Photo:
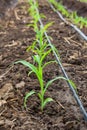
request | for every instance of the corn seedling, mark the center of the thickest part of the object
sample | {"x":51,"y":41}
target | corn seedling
{"x":72,"y":16}
{"x":40,"y":49}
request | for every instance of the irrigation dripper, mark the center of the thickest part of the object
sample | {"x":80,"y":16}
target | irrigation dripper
{"x":63,"y":71}
{"x":70,"y":24}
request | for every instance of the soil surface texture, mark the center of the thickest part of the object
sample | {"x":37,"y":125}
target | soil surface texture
{"x":6,"y":7}
{"x":63,"y":113}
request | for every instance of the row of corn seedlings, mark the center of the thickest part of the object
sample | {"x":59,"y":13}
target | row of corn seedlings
{"x":41,"y":48}
{"x":70,"y":24}
{"x":71,"y":16}
{"x":82,"y":34}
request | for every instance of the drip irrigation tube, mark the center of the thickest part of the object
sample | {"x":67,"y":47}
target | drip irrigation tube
{"x":75,"y":27}
{"x":63,"y":71}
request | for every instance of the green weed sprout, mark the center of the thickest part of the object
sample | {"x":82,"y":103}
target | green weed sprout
{"x":40,"y":49}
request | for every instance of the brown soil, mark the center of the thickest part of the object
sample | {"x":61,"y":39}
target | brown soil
{"x":63,"y":113}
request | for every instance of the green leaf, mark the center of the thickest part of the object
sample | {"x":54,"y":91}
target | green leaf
{"x":30,"y":25}
{"x":36,"y":58}
{"x":40,"y":96}
{"x":47,"y":63}
{"x":60,"y":77}
{"x":31,"y":47}
{"x":42,"y":16}
{"x":73,"y":84}
{"x":27,"y":96}
{"x":46,"y":27}
{"x":31,"y":66}
{"x":27,"y":64}
{"x":51,"y":81}
{"x":47,"y":100}
{"x":45,"y":54}
{"x":55,"y":50}
{"x":30,"y":72}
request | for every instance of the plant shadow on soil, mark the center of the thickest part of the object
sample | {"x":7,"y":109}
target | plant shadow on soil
{"x":63,"y":113}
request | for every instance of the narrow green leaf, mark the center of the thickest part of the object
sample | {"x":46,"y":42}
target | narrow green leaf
{"x":46,"y":27}
{"x":45,"y":54}
{"x":42,"y":16}
{"x":27,"y":64}
{"x":47,"y":100}
{"x":55,"y":50}
{"x":47,"y":63}
{"x":39,"y":95}
{"x":31,"y":47}
{"x":73,"y":84}
{"x":30,"y":72}
{"x":27,"y":96}
{"x":31,"y":66}
{"x":51,"y":81}
{"x":36,"y":58}
{"x":60,"y":77}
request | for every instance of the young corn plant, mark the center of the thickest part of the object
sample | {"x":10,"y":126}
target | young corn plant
{"x":40,"y":50}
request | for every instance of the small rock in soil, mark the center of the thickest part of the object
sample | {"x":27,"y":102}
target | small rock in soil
{"x":5,"y":90}
{"x":20,"y":85}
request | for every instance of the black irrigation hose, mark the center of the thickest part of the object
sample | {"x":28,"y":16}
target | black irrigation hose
{"x":63,"y":71}
{"x":77,"y":29}
{"x":71,"y":87}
